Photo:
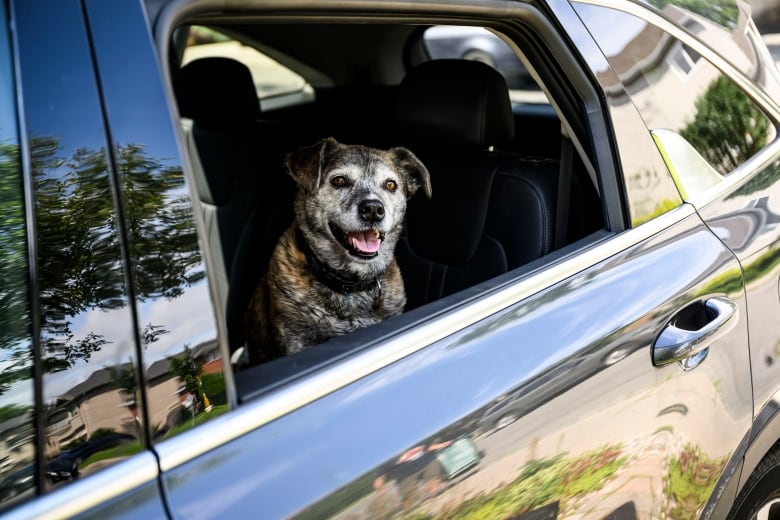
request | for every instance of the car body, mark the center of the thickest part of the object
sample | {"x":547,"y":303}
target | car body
{"x":592,"y":290}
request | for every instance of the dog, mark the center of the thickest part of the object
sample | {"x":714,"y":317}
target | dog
{"x":334,"y":269}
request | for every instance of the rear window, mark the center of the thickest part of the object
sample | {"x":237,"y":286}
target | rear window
{"x":480,"y":44}
{"x":277,"y":86}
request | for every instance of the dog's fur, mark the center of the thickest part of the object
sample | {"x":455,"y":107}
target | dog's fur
{"x":341,"y":189}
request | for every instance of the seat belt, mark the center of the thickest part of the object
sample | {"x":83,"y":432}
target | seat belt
{"x":564,"y":190}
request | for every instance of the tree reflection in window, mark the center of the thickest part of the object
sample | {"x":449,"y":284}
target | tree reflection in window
{"x":79,"y":241}
{"x":17,"y":450}
{"x":727,"y":129}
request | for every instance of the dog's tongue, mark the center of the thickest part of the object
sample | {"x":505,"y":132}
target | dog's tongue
{"x":365,"y":241}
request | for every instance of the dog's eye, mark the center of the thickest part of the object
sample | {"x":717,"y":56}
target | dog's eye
{"x":391,"y":185}
{"x":339,"y":181}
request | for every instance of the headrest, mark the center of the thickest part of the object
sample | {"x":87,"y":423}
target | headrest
{"x":217,"y":91}
{"x":448,"y":228}
{"x":455,"y":102}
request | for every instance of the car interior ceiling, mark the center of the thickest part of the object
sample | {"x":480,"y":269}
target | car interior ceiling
{"x":501,"y":168}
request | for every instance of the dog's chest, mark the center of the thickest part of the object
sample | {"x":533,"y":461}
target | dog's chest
{"x":340,"y":314}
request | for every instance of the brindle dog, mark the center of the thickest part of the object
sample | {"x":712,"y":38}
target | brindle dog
{"x":333,"y":270}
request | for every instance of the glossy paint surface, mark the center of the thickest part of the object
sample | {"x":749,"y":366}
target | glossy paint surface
{"x":85,"y":326}
{"x":746,"y":218}
{"x":551,"y":405}
{"x":558,"y":393}
{"x":182,"y":363}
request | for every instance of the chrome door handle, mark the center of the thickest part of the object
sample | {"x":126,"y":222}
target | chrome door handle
{"x":677,"y":342}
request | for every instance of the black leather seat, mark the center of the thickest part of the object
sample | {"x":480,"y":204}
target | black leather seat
{"x":244,"y":194}
{"x":490,"y":211}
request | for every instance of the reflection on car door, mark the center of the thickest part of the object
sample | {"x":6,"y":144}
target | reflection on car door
{"x":597,"y":428}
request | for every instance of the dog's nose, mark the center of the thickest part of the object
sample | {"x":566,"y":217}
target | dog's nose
{"x":371,"y":210}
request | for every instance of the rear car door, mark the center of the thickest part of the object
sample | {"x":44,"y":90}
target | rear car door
{"x":74,"y":374}
{"x":612,"y":378}
{"x":108,"y":331}
{"x":720,"y":141}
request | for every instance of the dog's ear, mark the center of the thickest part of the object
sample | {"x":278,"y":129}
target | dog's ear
{"x":305,"y":164}
{"x":415,"y":173}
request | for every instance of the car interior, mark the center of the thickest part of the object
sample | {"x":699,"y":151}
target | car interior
{"x":509,"y":187}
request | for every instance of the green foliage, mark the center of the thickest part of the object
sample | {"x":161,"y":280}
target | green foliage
{"x":101,"y":432}
{"x":121,"y":451}
{"x":722,"y":12}
{"x":198,"y":419}
{"x":542,"y":482}
{"x":15,"y":327}
{"x":728,"y":129}
{"x":11,"y":411}
{"x":80,"y":264}
{"x":214,"y":387}
{"x":189,"y":371}
{"x":690,"y":480}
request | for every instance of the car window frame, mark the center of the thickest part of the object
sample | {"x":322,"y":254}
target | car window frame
{"x":415,"y":331}
{"x":757,"y":95}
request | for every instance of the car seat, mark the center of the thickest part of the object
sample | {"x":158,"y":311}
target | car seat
{"x":491,"y":211}
{"x":244,"y":194}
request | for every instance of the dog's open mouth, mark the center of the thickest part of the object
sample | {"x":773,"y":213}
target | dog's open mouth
{"x":364,"y":244}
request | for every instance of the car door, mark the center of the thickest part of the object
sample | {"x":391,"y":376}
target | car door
{"x":733,"y":186}
{"x":72,"y":340}
{"x":611,"y":378}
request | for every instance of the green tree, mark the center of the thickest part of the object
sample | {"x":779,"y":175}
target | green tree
{"x":728,"y":129}
{"x":79,"y":263}
{"x":190,"y":372}
{"x":15,"y":327}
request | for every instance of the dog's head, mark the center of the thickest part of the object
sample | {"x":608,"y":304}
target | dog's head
{"x":351,"y":202}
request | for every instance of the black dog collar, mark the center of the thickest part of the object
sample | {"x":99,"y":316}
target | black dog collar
{"x":331,"y":279}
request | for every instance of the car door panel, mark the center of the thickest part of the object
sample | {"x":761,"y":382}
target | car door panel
{"x":595,"y":426}
{"x":127,"y":489}
{"x":86,"y":414}
{"x":746,"y":218}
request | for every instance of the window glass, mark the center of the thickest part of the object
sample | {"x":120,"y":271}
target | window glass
{"x":648,"y":186}
{"x":277,"y":86}
{"x":726,"y":26}
{"x":676,"y":89}
{"x":92,"y":409}
{"x":479,"y":44}
{"x":17,"y":411}
{"x":183,"y":370}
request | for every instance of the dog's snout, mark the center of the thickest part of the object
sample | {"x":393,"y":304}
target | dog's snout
{"x":371,"y":210}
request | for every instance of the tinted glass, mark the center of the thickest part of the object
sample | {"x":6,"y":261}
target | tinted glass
{"x":277,"y":86}
{"x":648,"y":185}
{"x":91,"y":404}
{"x":479,"y":44}
{"x":675,"y":88}
{"x":726,"y":26}
{"x":184,"y":380}
{"x":17,"y":411}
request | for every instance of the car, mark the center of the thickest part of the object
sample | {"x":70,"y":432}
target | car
{"x":592,"y":289}
{"x":17,"y":482}
{"x":65,"y":466}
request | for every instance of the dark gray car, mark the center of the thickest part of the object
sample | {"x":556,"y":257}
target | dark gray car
{"x":592,"y":290}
